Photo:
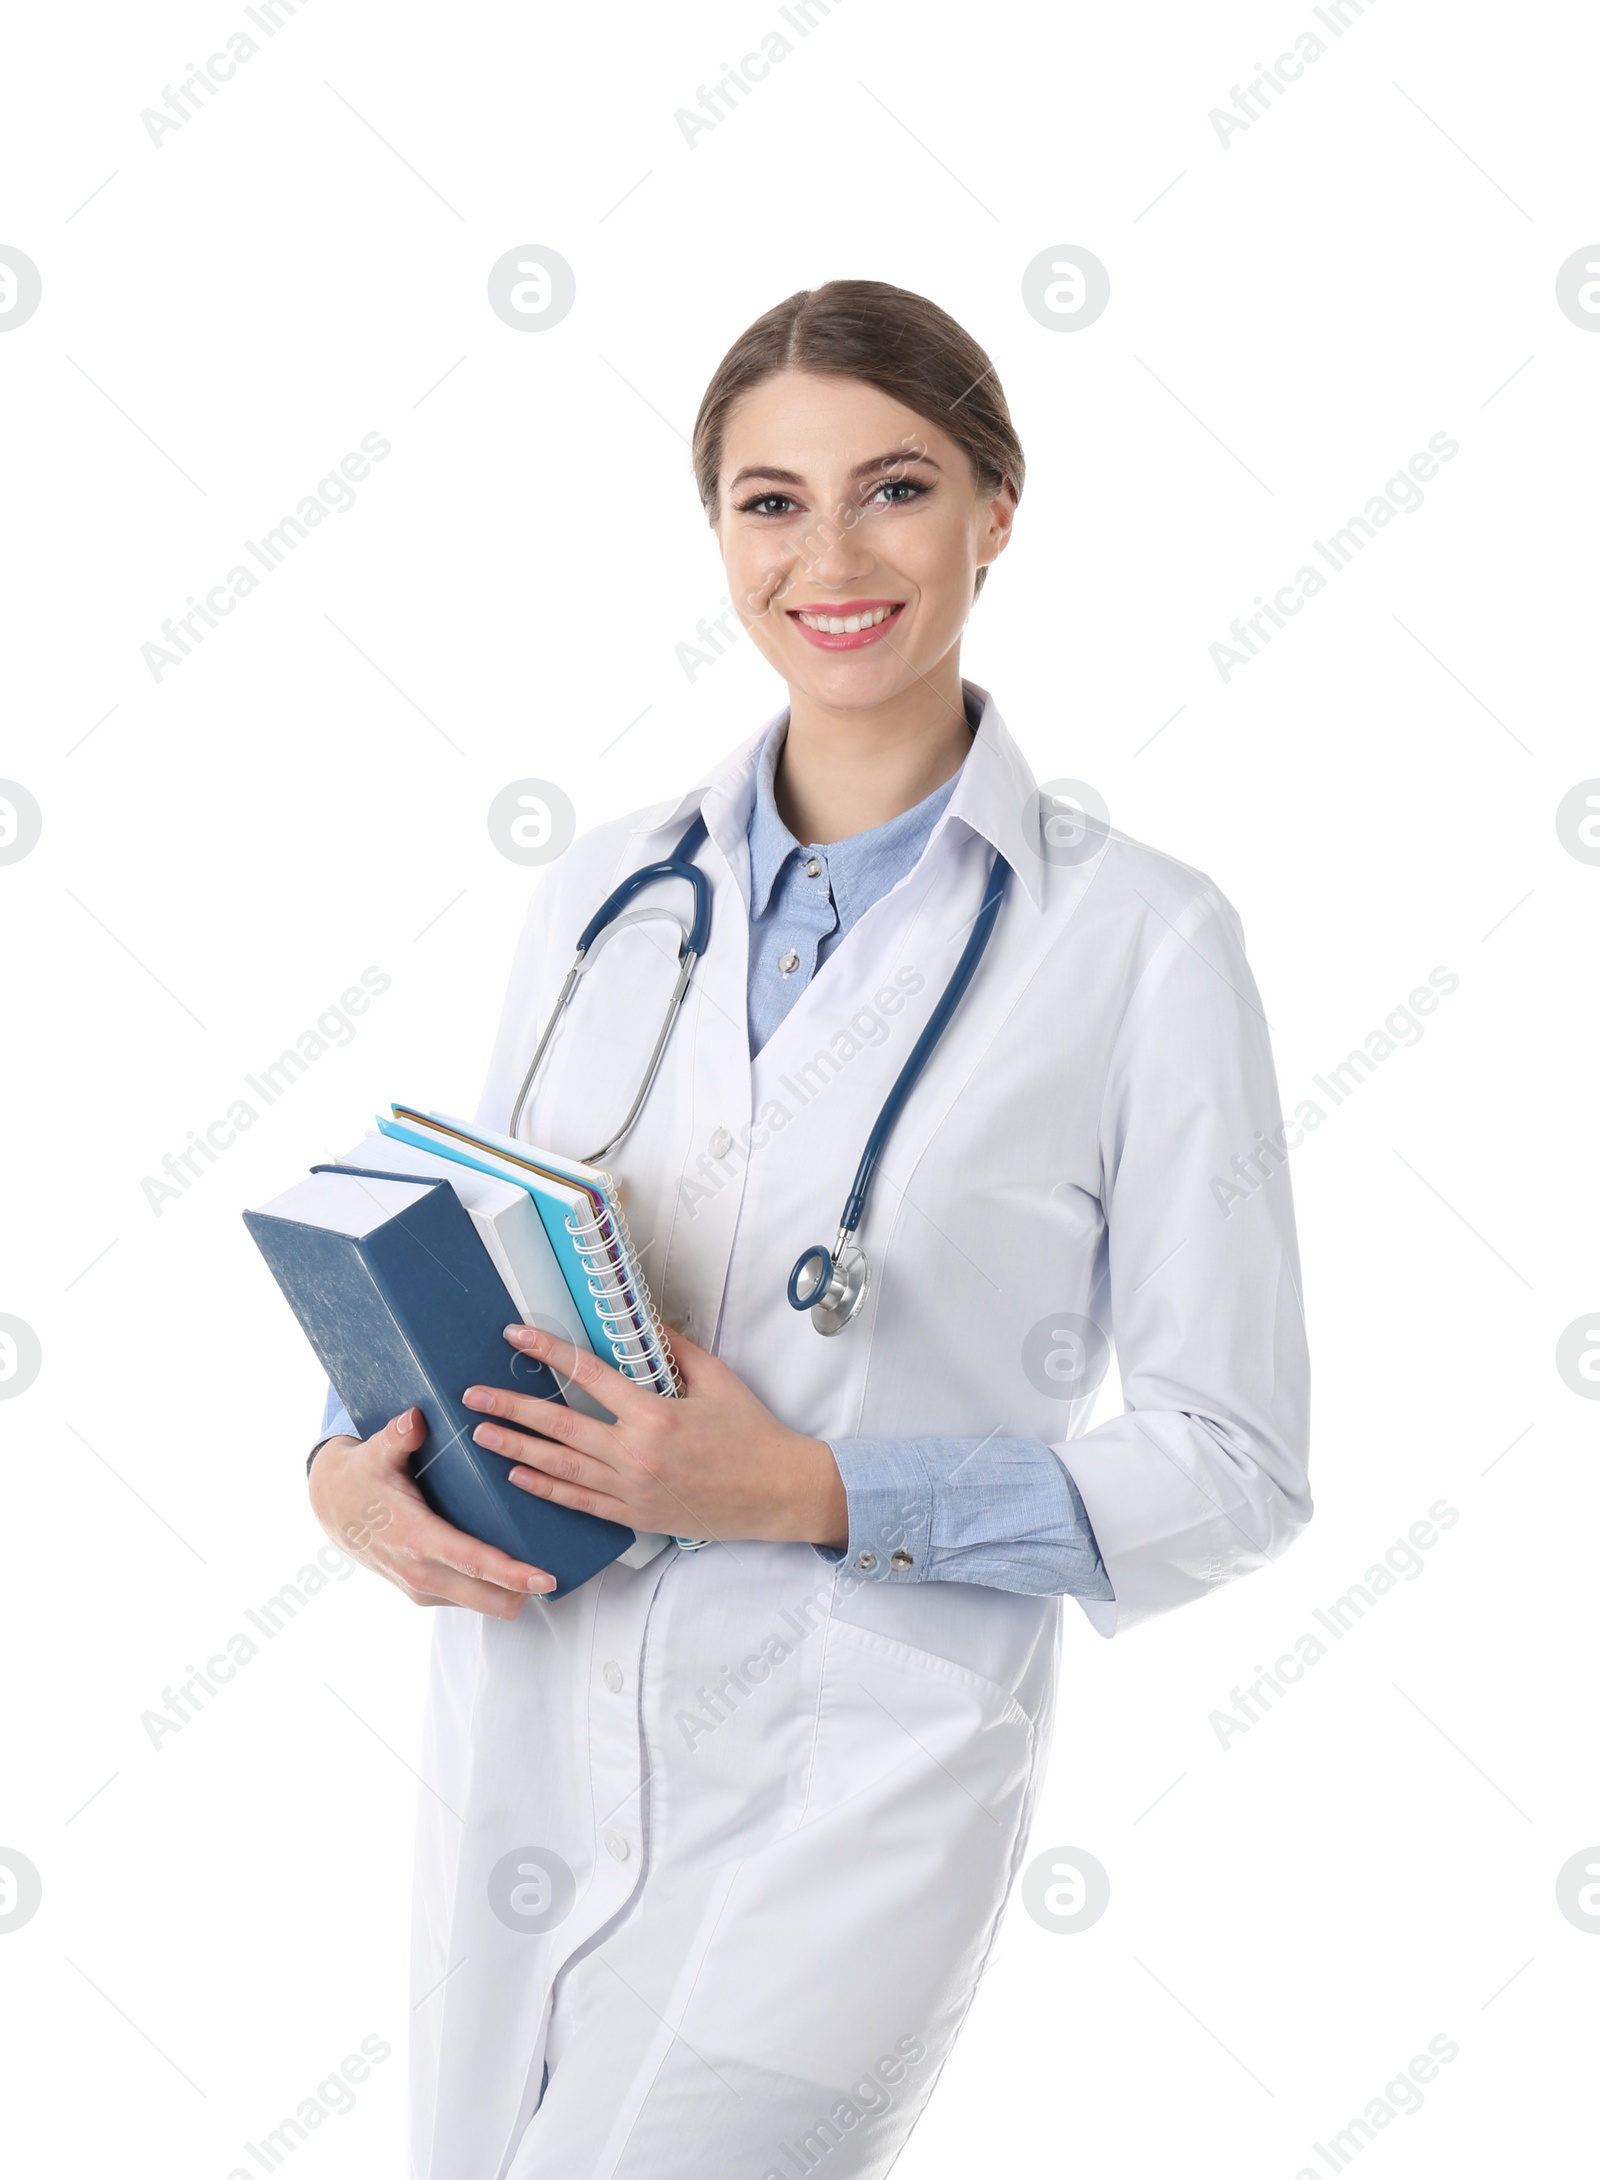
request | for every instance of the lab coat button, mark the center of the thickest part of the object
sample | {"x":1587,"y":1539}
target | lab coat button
{"x":866,"y":1561}
{"x":789,"y":962}
{"x":721,"y":1143}
{"x":900,"y":1561}
{"x":616,"y":1846}
{"x":813,"y":867}
{"x":613,"y":1676}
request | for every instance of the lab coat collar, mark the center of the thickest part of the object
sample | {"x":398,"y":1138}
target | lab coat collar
{"x":995,"y":796}
{"x":771,"y":842}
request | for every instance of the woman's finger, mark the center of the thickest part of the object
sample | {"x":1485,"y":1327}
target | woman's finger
{"x":435,"y":1584}
{"x":565,"y":1463}
{"x":539,"y":1485}
{"x":551,"y":1419}
{"x":425,"y":1540}
{"x":399,"y":1439}
{"x":607,"y":1385}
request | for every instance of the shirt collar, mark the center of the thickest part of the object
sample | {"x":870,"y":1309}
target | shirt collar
{"x":900,"y":840}
{"x":995,"y":795}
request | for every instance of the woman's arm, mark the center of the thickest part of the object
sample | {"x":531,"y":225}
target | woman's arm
{"x":1204,"y":1476}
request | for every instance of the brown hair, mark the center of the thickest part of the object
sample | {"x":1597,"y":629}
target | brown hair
{"x":901,"y":343}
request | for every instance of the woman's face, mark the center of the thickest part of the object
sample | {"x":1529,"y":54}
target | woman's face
{"x":836,"y":505}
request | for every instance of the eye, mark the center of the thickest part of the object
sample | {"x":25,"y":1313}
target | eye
{"x":902,"y":490}
{"x":769,"y":503}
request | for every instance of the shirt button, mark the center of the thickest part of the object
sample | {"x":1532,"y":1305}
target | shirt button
{"x":789,"y":962}
{"x":721,"y":1143}
{"x":616,"y":1847}
{"x":613,"y":1676}
{"x":813,"y":867}
{"x":866,"y":1561}
{"x":900,"y":1561}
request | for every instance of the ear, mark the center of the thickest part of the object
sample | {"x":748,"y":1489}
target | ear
{"x":1001,"y":513}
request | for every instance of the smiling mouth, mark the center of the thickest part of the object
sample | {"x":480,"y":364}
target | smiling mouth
{"x":866,"y":621}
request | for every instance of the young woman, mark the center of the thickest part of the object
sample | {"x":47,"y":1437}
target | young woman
{"x":761,"y":1803}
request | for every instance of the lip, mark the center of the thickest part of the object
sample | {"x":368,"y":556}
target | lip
{"x":840,"y":609}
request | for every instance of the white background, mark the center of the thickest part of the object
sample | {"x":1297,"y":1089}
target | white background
{"x":1292,"y":316}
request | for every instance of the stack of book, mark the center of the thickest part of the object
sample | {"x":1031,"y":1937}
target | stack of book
{"x":405,"y":1260}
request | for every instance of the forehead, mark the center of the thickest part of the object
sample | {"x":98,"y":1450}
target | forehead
{"x":815,"y":424}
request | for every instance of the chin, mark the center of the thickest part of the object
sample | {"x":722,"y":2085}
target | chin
{"x":850,"y":687}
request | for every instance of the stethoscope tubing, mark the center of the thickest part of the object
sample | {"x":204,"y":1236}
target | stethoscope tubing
{"x":831,"y":1269}
{"x":677,"y":865}
{"x":922,"y":1051}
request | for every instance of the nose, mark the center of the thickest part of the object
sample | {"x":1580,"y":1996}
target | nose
{"x":840,"y":552}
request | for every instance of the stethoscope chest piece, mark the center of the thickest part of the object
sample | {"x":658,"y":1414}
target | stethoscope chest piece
{"x":830,"y":1283}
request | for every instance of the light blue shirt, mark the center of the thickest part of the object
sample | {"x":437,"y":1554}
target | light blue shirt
{"x":804,"y":900}
{"x":1000,"y":1512}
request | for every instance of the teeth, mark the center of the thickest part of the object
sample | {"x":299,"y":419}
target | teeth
{"x":831,"y":625}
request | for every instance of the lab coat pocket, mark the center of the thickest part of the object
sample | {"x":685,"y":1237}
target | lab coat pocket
{"x":918,"y":1801}
{"x":928,"y":1763}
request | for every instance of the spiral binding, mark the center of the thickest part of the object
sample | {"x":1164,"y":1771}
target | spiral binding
{"x":628,"y":1315}
{"x":639,"y":1343}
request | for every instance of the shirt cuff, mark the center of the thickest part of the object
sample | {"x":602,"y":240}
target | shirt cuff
{"x":336,"y":1423}
{"x":1000,"y":1512}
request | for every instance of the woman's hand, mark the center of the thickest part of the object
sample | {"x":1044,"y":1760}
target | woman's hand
{"x":714,"y":1464}
{"x":364,"y":1496}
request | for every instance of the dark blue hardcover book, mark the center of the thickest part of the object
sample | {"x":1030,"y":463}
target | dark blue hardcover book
{"x":405,"y":1309}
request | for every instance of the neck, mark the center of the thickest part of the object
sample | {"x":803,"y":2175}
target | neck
{"x":843,"y":772}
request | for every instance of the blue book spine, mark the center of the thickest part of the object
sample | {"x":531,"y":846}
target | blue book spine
{"x":410,"y":1315}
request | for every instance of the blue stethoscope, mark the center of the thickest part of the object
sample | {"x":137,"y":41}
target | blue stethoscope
{"x":830,"y":1283}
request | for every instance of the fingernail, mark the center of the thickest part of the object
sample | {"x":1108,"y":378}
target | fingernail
{"x":402,"y":1423}
{"x":522,"y":1332}
{"x":541,"y":1582}
{"x":475,"y":1397}
{"x":486,"y":1435}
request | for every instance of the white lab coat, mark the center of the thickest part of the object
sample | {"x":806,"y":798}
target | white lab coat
{"x":793,"y":1798}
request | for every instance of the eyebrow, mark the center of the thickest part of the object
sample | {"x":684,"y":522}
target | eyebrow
{"x":862,"y":469}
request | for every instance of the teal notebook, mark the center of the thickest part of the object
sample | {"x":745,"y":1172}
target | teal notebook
{"x":580,"y":1211}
